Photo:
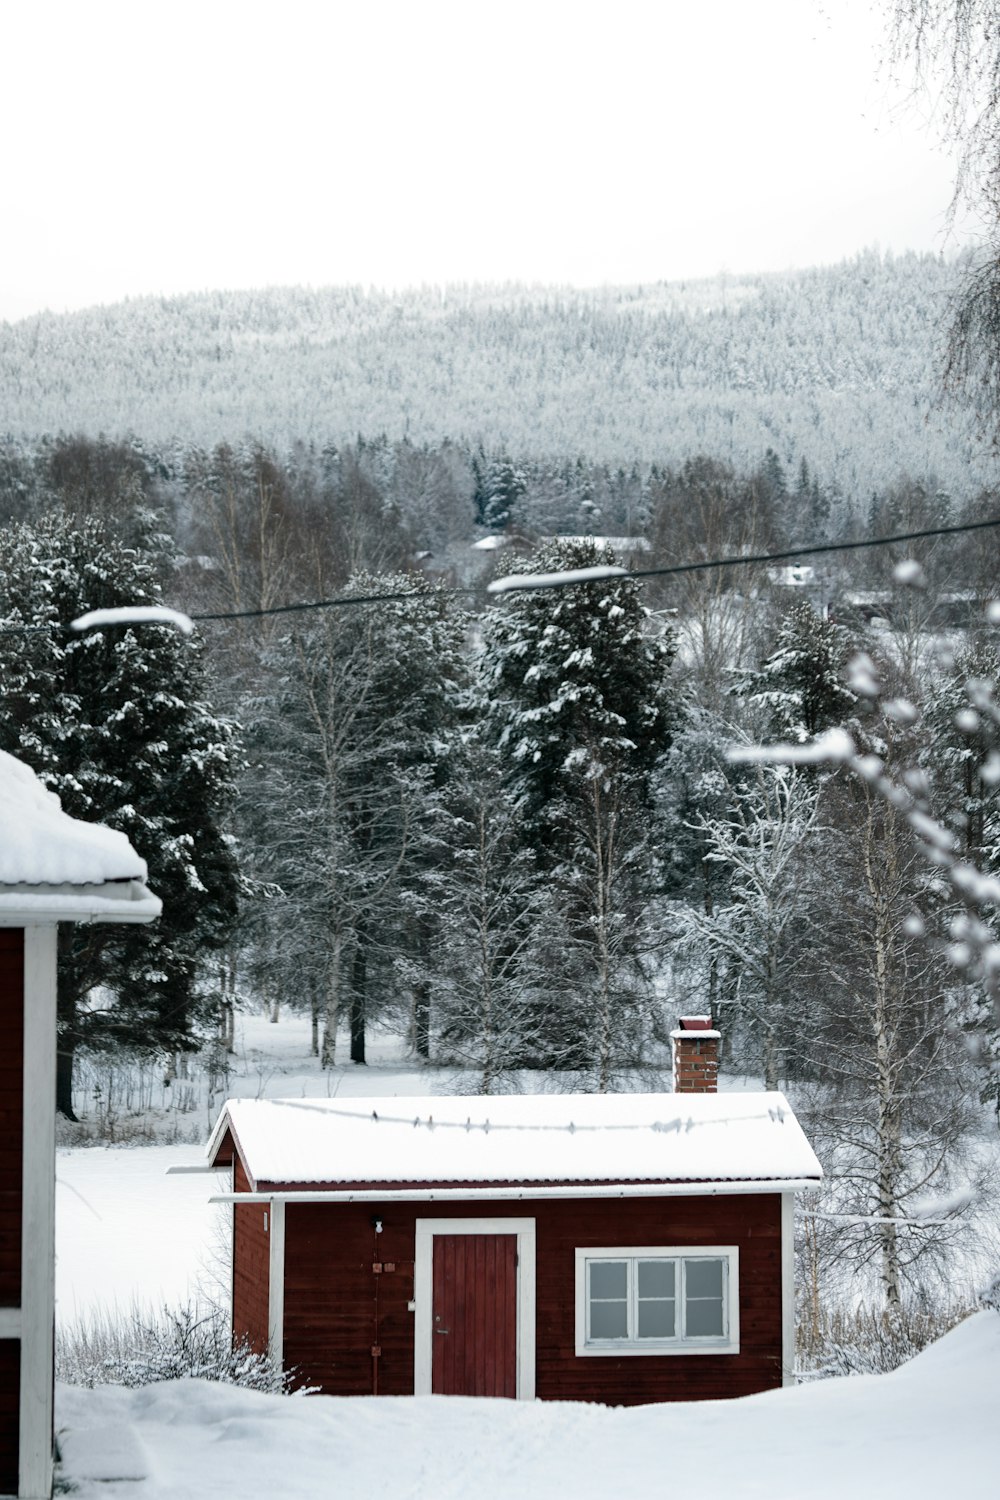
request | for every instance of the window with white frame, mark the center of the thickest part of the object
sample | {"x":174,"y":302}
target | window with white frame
{"x":657,"y":1299}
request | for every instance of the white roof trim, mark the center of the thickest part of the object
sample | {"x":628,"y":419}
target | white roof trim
{"x":528,"y":1193}
{"x":112,"y":901}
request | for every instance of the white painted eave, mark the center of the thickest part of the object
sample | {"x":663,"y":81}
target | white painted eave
{"x":524,"y":1192}
{"x":111,"y":901}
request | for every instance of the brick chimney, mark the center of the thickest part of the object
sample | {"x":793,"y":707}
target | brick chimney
{"x":696,"y":1055}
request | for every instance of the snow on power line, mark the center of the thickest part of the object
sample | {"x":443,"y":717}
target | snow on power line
{"x":134,"y":614}
{"x":515,"y":582}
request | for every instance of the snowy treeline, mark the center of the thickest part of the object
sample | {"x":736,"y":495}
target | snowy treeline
{"x":835,"y":365}
{"x":509,"y":828}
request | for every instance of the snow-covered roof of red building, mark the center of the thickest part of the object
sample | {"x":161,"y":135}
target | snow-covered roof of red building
{"x":519,"y":1138}
{"x":53,"y":866}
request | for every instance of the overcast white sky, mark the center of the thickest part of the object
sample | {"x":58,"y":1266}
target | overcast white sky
{"x":169,"y":147}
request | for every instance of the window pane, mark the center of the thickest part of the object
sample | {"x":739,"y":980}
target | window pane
{"x":656,"y":1278}
{"x":703,"y":1278}
{"x":656,"y":1320}
{"x":609,"y":1320}
{"x":609,"y":1278}
{"x":704,"y":1319}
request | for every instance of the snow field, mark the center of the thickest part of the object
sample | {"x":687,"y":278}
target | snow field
{"x":927,"y":1430}
{"x":126,"y":1232}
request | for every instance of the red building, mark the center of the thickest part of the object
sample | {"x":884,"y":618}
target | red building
{"x":617,"y":1248}
{"x":52,"y":869}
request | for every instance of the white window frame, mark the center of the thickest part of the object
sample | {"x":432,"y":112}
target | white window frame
{"x":423,"y":1294}
{"x":615,"y":1348}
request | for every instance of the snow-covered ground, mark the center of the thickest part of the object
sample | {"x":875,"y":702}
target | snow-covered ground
{"x":127,"y":1232}
{"x":928,"y":1430}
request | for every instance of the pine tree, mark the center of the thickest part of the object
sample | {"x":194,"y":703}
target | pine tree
{"x":577,"y":682}
{"x":114,"y":722}
{"x":799,"y":688}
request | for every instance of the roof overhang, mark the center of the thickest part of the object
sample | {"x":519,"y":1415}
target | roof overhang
{"x":521,"y":1192}
{"x":357,"y":1176}
{"x":110,"y":901}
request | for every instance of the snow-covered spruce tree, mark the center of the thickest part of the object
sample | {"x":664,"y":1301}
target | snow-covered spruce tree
{"x":351,"y":739}
{"x":576,"y":682}
{"x":114,"y":721}
{"x":800,"y":687}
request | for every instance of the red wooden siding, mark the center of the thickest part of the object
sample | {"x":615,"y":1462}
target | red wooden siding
{"x":11,"y":1145}
{"x":251,"y":1261}
{"x":11,"y":1111}
{"x":338,"y":1309}
{"x":474,"y":1316}
{"x":10,"y":1387}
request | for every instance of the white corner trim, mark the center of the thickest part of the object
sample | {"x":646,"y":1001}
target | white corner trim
{"x":276,"y":1281}
{"x":38,"y":1213}
{"x":656,"y":1349}
{"x":788,"y":1288}
{"x":423,"y":1295}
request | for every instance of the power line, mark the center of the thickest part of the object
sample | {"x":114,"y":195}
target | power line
{"x":288,"y":609}
{"x":741,"y":560}
{"x":814,"y":549}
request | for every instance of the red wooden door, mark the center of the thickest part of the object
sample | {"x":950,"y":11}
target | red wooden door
{"x":474,"y":1322}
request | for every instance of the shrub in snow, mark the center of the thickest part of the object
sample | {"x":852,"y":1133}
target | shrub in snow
{"x":862,"y":1341}
{"x":140,"y":1348}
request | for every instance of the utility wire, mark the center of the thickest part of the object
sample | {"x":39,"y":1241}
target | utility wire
{"x":814,"y":550}
{"x":289,"y":609}
{"x":742,"y":560}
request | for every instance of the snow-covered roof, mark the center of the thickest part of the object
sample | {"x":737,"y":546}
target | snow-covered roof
{"x":520,"y":1138}
{"x":54,"y":867}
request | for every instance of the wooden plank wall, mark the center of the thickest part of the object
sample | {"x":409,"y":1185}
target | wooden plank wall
{"x":251,"y":1261}
{"x":337,"y":1309}
{"x":11,"y":1145}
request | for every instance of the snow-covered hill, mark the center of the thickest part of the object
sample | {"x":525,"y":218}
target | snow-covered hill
{"x":838,"y":365}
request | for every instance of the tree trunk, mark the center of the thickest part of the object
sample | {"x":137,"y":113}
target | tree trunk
{"x":314,"y":1020}
{"x":422,"y":1019}
{"x":64,"y":1077}
{"x":332,"y":1006}
{"x":880,"y":880}
{"x":359,"y":980}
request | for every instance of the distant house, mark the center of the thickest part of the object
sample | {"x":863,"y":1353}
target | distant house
{"x":52,"y":869}
{"x":617,"y":1248}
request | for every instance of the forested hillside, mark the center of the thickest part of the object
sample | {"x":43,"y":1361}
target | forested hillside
{"x":507,"y":827}
{"x":838,"y":366}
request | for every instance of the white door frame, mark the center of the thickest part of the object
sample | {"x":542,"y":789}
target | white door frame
{"x":38,"y":1231}
{"x":423,"y":1294}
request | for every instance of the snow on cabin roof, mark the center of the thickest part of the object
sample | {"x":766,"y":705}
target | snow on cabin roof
{"x":519,"y":1138}
{"x":56,"y":866}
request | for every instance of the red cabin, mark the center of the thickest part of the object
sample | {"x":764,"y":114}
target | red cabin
{"x":52,"y":869}
{"x":620,"y":1248}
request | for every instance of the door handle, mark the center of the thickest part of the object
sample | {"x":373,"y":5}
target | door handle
{"x":440,"y":1330}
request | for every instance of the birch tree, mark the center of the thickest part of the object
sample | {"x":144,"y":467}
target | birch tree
{"x":757,"y":935}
